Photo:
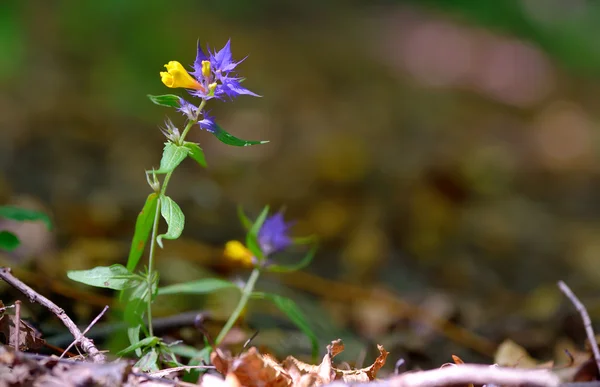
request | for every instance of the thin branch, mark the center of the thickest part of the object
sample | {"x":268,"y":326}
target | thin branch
{"x":15,"y":337}
{"x":464,"y":374}
{"x":587,"y":323}
{"x":94,"y":321}
{"x":86,"y":344}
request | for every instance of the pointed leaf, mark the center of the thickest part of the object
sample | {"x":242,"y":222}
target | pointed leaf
{"x":300,"y":265}
{"x":8,"y":241}
{"x":148,"y":362}
{"x":115,"y":277}
{"x":168,"y":100}
{"x":143,"y":225}
{"x":291,"y":310}
{"x":24,"y":214}
{"x":133,"y":333}
{"x":229,"y":139}
{"x":136,"y":300}
{"x":246,"y":222}
{"x":196,"y":153}
{"x":147,"y":342}
{"x":174,"y":217}
{"x":172,"y":156}
{"x":203,"y":286}
{"x":252,"y":236}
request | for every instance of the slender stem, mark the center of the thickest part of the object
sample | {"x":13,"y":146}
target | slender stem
{"x":163,"y":191}
{"x":150,"y":264}
{"x":246,"y":292}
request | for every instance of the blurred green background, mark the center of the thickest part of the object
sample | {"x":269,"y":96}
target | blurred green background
{"x":445,"y":153}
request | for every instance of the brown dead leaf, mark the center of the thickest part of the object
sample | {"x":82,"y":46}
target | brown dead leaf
{"x":511,"y":354}
{"x":29,"y":337}
{"x":251,"y":369}
{"x":326,"y":373}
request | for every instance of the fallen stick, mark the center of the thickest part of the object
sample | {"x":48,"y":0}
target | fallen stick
{"x":86,"y":344}
{"x":16,"y":341}
{"x":464,"y":374}
{"x":94,"y":321}
{"x":587,"y":322}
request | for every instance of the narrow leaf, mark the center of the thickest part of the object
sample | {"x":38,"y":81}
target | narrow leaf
{"x":137,"y":300}
{"x":115,"y":277}
{"x":133,"y":333}
{"x":252,"y":236}
{"x":168,"y":100}
{"x":172,"y":156}
{"x":148,"y":362}
{"x":174,"y":217}
{"x":203,"y":286}
{"x":8,"y":241}
{"x":300,"y":265}
{"x":246,"y":222}
{"x":229,"y":139}
{"x":291,"y":310}
{"x":143,"y":225}
{"x":196,"y":153}
{"x":24,"y":214}
{"x":147,"y":342}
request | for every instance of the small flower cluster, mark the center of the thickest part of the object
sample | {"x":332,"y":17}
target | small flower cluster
{"x":213,"y":76}
{"x":273,"y":237}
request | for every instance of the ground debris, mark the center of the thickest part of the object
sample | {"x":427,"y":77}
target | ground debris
{"x":23,"y":369}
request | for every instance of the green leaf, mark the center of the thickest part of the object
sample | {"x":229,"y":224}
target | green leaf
{"x":8,"y":241}
{"x":147,"y":342}
{"x":252,"y":235}
{"x":137,"y":300}
{"x":291,"y":310}
{"x":246,"y":222}
{"x":172,"y":156}
{"x":24,"y":214}
{"x":148,"y":362}
{"x":300,"y":265}
{"x":115,"y":277}
{"x":229,"y":139}
{"x":203,"y":286}
{"x":143,"y":225}
{"x":187,"y":351}
{"x":168,"y":100}
{"x":202,"y":357}
{"x":133,"y":333}
{"x":196,"y":153}
{"x":173,"y":215}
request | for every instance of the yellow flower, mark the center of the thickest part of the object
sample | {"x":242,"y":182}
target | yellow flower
{"x":236,"y":251}
{"x":177,"y":76}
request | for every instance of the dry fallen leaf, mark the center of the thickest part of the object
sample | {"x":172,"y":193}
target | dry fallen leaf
{"x":511,"y":354}
{"x":29,"y":337}
{"x":251,"y":369}
{"x":255,"y":370}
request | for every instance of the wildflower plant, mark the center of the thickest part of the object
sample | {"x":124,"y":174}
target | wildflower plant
{"x":213,"y":76}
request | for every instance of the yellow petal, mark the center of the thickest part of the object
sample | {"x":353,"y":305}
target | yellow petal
{"x":236,"y":251}
{"x":177,"y":76}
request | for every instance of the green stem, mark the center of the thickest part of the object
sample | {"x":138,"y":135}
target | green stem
{"x":246,"y":292}
{"x":163,"y":191}
{"x":150,"y":261}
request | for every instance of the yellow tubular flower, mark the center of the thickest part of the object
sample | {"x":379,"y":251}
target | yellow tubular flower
{"x":177,"y":76}
{"x":236,"y":251}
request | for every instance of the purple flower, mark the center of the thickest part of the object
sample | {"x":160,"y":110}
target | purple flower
{"x":273,"y":235}
{"x":215,"y":73}
{"x":208,"y":123}
{"x":188,"y":109}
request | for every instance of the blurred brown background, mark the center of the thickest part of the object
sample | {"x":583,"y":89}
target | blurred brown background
{"x":444,"y":152}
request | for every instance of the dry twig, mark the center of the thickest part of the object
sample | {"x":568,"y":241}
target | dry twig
{"x":587,"y":322}
{"x":465,"y":374}
{"x":86,"y":344}
{"x":17,"y":330}
{"x":94,"y":321}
